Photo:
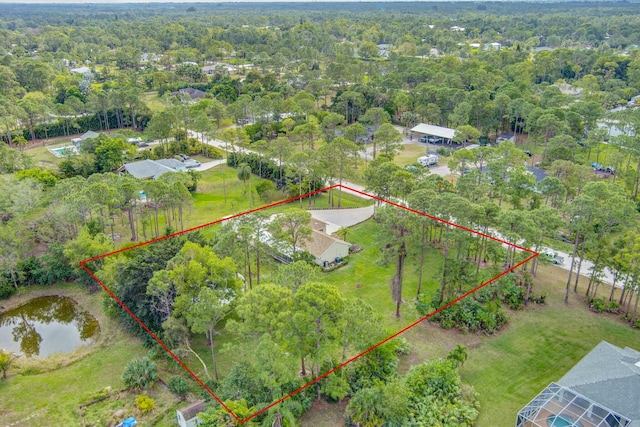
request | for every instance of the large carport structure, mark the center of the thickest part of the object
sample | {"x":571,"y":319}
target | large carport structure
{"x":432,"y":130}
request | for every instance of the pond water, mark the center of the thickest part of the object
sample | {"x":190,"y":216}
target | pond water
{"x":45,"y":326}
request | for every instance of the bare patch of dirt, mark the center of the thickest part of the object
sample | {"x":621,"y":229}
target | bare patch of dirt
{"x":324,"y":414}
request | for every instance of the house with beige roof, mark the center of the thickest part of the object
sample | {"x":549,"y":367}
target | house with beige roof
{"x":324,"y":247}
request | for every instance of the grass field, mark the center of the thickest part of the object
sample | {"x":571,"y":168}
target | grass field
{"x":409,"y":154}
{"x":152,"y":100}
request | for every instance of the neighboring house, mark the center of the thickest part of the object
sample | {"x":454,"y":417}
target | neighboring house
{"x":506,"y":136}
{"x":152,"y":169}
{"x":88,"y":135}
{"x":193,"y":93}
{"x":188,"y":416}
{"x":147,"y":57}
{"x":209,"y":70}
{"x":80,"y":70}
{"x":538,"y":173}
{"x":602,"y":389}
{"x":323,"y":247}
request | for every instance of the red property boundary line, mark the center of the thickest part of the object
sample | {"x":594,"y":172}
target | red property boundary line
{"x":353,"y":190}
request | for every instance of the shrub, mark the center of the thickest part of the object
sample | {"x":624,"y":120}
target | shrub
{"x":140,"y":373}
{"x":335,"y":387}
{"x":468,"y":315}
{"x":266,"y":190}
{"x":404,"y":346}
{"x":443,"y":152}
{"x":539,"y":299}
{"x":597,"y":304}
{"x":6,"y":290}
{"x":145,"y":404}
{"x":178,"y":386}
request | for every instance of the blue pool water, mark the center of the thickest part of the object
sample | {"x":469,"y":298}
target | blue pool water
{"x":63,"y":151}
{"x":562,"y":421}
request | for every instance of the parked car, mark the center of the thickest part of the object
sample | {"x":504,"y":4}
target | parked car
{"x":565,"y":238}
{"x":552,"y":257}
{"x":423,"y":138}
{"x":190,"y":163}
{"x":183,"y":157}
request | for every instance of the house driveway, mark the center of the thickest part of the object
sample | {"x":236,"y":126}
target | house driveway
{"x":209,"y":165}
{"x":336,"y":218}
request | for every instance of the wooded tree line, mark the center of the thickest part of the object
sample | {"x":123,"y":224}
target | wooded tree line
{"x":597,"y":217}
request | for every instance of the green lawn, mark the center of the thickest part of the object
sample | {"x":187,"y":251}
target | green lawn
{"x":366,"y":278}
{"x":538,"y":346}
{"x":152,"y":100}
{"x":410,"y":154}
{"x":41,"y":155}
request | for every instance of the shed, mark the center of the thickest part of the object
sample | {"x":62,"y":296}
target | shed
{"x":188,"y":416}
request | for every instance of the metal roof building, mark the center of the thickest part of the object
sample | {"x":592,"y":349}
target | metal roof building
{"x":440,"y":131}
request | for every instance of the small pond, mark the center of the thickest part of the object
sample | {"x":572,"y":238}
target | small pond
{"x":45,"y":326}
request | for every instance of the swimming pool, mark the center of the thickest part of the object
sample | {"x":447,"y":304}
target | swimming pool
{"x":68,"y":150}
{"x":562,"y":421}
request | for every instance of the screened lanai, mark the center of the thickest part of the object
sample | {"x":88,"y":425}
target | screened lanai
{"x":558,"y":406}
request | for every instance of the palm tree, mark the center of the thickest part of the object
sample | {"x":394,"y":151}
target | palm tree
{"x":458,"y":355}
{"x":244,"y":173}
{"x":344,"y":232}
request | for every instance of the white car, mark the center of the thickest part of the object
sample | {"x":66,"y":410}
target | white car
{"x":552,"y":257}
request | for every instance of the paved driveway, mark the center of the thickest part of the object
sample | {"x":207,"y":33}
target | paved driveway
{"x":336,"y":218}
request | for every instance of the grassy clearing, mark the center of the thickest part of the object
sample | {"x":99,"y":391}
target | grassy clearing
{"x":323,"y":414}
{"x":43,"y":158}
{"x":409,"y":154}
{"x":152,"y":100}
